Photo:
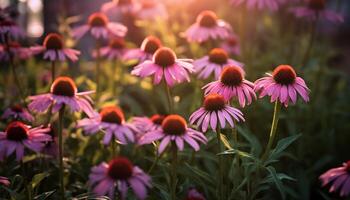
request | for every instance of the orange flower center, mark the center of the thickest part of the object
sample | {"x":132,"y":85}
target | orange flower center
{"x":147,"y":4}
{"x":16,"y":131}
{"x":64,"y":86}
{"x":317,"y":4}
{"x":112,"y":114}
{"x":124,"y":2}
{"x":174,"y":125}
{"x":150,"y":44}
{"x":164,"y":57}
{"x":214,"y":102}
{"x":117,"y":43}
{"x":120,"y":168}
{"x":98,"y":20}
{"x":17,"y":108}
{"x":157,"y":119}
{"x":231,"y":76}
{"x":53,"y":41}
{"x":207,"y":18}
{"x":232,"y":41}
{"x":218,"y":56}
{"x":284,"y":74}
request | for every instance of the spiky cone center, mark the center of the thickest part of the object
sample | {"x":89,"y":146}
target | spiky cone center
{"x":232,"y":76}
{"x":147,"y":4}
{"x":16,"y":131}
{"x":164,"y":57}
{"x":112,"y":114}
{"x":218,"y":56}
{"x":124,"y":2}
{"x":117,"y":43}
{"x":64,"y":86}
{"x":174,"y":125}
{"x":120,"y":168}
{"x":207,"y":19}
{"x":150,"y":44}
{"x":98,"y":20}
{"x":53,"y":41}
{"x":17,"y":108}
{"x":157,"y":119}
{"x":284,"y":74}
{"x":214,"y":102}
{"x":232,"y":41}
{"x":317,"y":4}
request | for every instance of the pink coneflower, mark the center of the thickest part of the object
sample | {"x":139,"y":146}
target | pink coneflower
{"x":120,"y":173}
{"x":151,"y":9}
{"x":317,"y":9}
{"x":18,"y":135}
{"x":272,"y":5}
{"x":208,"y":26}
{"x":145,"y":124}
{"x":4,"y":181}
{"x":54,"y":49}
{"x":148,"y":47}
{"x":117,"y":6}
{"x":282,"y":85}
{"x":213,"y":63}
{"x":215,"y":109}
{"x":10,"y":29}
{"x":165,"y":64}
{"x":63,"y":92}
{"x":339,"y":178}
{"x":17,"y":112}
{"x":116,"y":49}
{"x":174,"y":128}
{"x":13,"y":50}
{"x":232,"y":84}
{"x":231,"y":45}
{"x":100,"y":27}
{"x":193,"y":194}
{"x":112,"y":122}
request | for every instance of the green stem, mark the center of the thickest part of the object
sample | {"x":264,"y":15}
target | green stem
{"x":114,"y":149}
{"x":17,"y":82}
{"x":60,"y":150}
{"x":26,"y":185}
{"x":311,"y":42}
{"x":273,"y":129}
{"x":155,"y":162}
{"x":170,"y":101}
{"x":114,"y":82}
{"x":98,"y":68}
{"x":221,"y":166}
{"x":173,"y":171}
{"x":53,"y":71}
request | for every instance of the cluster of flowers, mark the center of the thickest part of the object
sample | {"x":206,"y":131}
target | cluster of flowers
{"x":160,"y":62}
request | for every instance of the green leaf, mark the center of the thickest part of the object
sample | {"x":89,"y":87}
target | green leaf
{"x":38,"y":178}
{"x":240,"y":153}
{"x":205,"y":176}
{"x":277,"y":181}
{"x":44,"y":195}
{"x":281,"y":146}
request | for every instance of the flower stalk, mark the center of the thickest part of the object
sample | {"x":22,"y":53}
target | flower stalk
{"x":60,"y":150}
{"x":173,"y":181}
{"x":221,"y":166}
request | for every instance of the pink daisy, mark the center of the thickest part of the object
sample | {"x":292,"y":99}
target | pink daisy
{"x":120,"y":173}
{"x":231,"y":45}
{"x":193,"y":194}
{"x":272,"y":5}
{"x":18,"y":135}
{"x":283,"y":85}
{"x":165,"y":64}
{"x":208,"y":26}
{"x":10,"y":29}
{"x":100,"y":27}
{"x":116,"y":49}
{"x":232,"y":84}
{"x":339,"y":178}
{"x":54,"y":49}
{"x":17,"y":112}
{"x":63,"y":92}
{"x":4,"y":181}
{"x":315,"y":9}
{"x":14,"y":50}
{"x":145,"y":124}
{"x":215,"y":109}
{"x":148,"y":47}
{"x":174,"y":129}
{"x":151,"y":9}
{"x":120,"y":6}
{"x":112,"y":122}
{"x":213,"y":63}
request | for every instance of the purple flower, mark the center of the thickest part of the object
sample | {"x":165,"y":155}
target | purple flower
{"x":63,"y":92}
{"x":115,"y":50}
{"x":272,"y":5}
{"x":338,"y":178}
{"x":193,"y":194}
{"x":4,"y":181}
{"x":316,"y":9}
{"x":14,"y":50}
{"x":213,"y":63}
{"x":17,"y":112}
{"x":231,"y":45}
{"x":208,"y":26}
{"x":112,"y":122}
{"x":119,"y":173}
{"x":165,"y":64}
{"x":283,"y":85}
{"x":100,"y":27}
{"x":174,"y":128}
{"x":54,"y":49}
{"x":51,"y":147}
{"x":120,"y":6}
{"x":17,"y":136}
{"x":151,"y":9}
{"x":144,"y":124}
{"x":148,"y":47}
{"x":215,"y":110}
{"x":232,"y":84}
{"x":9,"y":28}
